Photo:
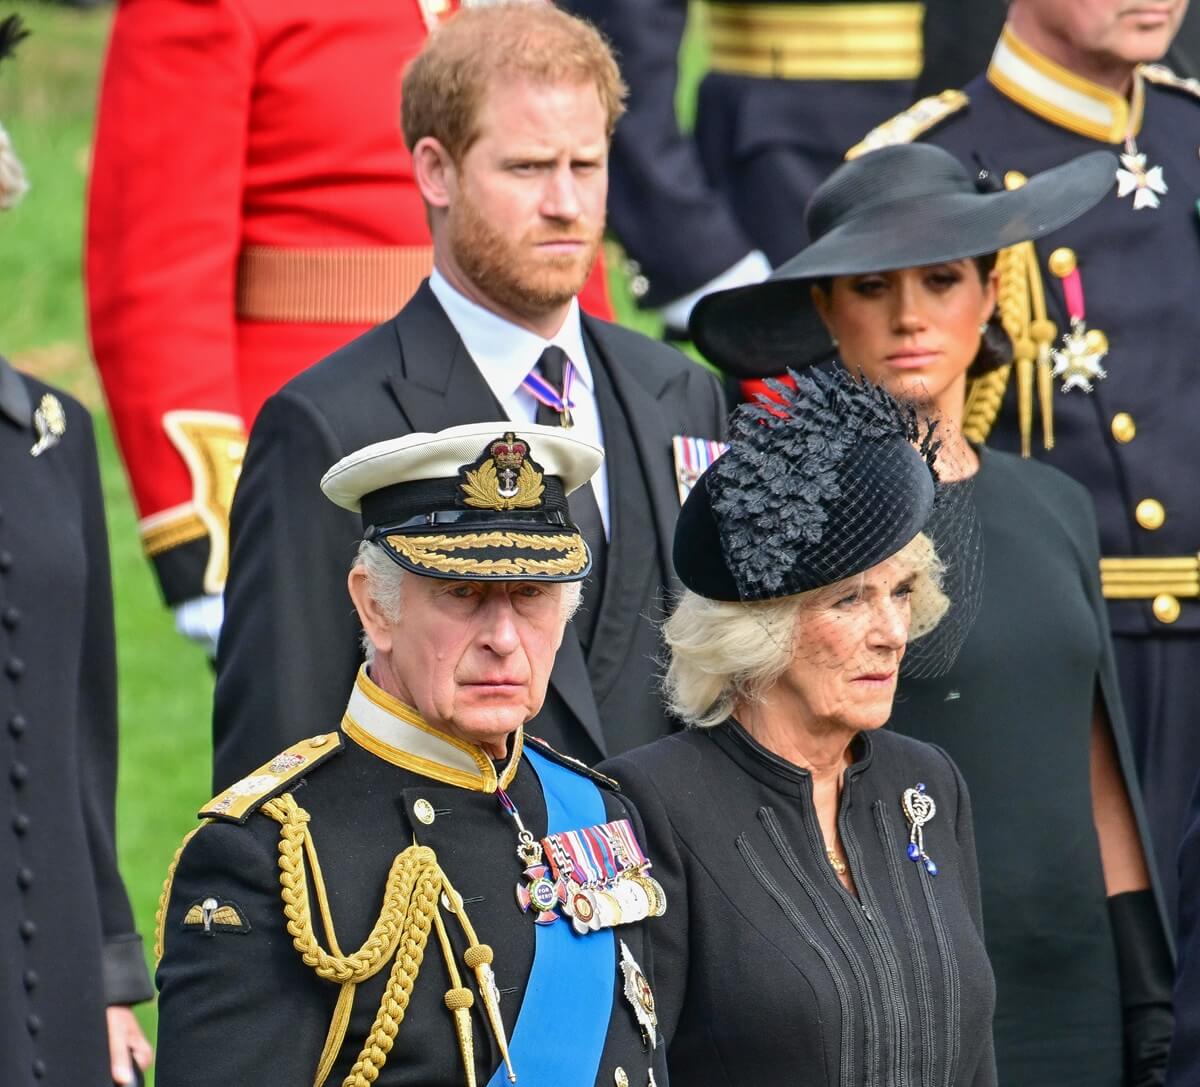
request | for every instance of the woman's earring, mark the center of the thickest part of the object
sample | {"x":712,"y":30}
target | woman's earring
{"x":833,"y":340}
{"x":983,"y":328}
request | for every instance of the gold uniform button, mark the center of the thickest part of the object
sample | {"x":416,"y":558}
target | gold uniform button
{"x":1124,"y":429}
{"x":1166,"y":608}
{"x":1150,"y":514}
{"x":620,"y":1078}
{"x":423,"y":810}
{"x":1014,"y":179}
{"x":318,"y":741}
{"x":1063,"y":262}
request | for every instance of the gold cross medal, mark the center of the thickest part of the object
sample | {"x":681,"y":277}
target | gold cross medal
{"x":50,"y":423}
{"x":1077,"y":361}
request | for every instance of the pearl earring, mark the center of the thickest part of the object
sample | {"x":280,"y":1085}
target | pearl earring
{"x":983,"y":328}
{"x":833,"y":340}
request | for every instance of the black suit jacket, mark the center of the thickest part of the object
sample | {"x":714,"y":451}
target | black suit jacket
{"x":289,"y":646}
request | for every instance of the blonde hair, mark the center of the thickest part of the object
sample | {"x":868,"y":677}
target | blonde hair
{"x":446,"y":84}
{"x":726,"y":652}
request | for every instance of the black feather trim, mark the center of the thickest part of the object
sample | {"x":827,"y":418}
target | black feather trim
{"x":773,"y":490}
{"x":12,"y":33}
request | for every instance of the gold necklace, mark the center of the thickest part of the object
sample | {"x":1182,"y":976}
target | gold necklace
{"x":836,"y":862}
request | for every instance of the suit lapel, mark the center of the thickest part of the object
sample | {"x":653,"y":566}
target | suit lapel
{"x":652,"y":433}
{"x":432,"y":396}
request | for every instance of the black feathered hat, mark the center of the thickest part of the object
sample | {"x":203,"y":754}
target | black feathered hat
{"x":822,"y":483}
{"x":906,"y":206}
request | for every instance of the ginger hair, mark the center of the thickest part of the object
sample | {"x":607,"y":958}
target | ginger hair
{"x":447,"y":83}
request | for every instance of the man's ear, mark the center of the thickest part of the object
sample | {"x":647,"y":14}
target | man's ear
{"x":370,"y":615}
{"x":435,"y":172}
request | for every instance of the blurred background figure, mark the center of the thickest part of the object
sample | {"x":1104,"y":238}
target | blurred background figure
{"x":67,"y":938}
{"x":252,"y":208}
{"x":1103,"y":318}
{"x":787,"y":85}
{"x":959,"y":36}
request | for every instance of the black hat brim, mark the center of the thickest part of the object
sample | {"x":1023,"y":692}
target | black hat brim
{"x":761,"y":330}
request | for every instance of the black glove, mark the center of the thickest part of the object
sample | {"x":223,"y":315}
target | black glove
{"x":1147,"y":973}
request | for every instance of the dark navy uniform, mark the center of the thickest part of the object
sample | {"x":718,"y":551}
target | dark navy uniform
{"x":788,"y":86}
{"x":240,"y":1003}
{"x":1131,"y":440}
{"x":67,"y":940}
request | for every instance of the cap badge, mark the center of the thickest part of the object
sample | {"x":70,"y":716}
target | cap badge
{"x":504,"y":478}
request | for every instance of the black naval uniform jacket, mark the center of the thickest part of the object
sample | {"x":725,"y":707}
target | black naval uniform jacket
{"x":686,"y":207}
{"x":68,"y":946}
{"x":769,"y":972}
{"x":289,"y":643}
{"x":239,"y":1006}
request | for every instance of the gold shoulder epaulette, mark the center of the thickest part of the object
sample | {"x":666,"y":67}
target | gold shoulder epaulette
{"x":1164,"y":77}
{"x":237,"y":803}
{"x":915,"y":121}
{"x":579,"y":767}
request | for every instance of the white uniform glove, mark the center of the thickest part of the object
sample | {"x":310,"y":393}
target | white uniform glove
{"x":199,"y":620}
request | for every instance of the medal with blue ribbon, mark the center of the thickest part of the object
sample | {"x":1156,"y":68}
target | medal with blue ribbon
{"x":545,"y":393}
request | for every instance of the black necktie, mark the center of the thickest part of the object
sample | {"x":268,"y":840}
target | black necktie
{"x":582,"y":503}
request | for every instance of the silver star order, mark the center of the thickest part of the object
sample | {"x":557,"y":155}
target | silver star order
{"x":1076,"y":363}
{"x":1146,"y":185}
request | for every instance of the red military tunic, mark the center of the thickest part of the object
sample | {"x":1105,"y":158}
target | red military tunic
{"x":252,"y":208}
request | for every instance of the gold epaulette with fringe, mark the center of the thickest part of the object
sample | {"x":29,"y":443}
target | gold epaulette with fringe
{"x":237,"y":803}
{"x":1162,"y":76}
{"x":915,"y":121}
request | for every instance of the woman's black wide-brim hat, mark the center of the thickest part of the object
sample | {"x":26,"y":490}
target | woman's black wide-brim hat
{"x":905,"y":206}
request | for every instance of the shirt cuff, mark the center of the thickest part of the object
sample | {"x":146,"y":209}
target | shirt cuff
{"x":752,"y":268}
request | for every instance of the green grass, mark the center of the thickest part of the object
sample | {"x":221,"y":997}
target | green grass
{"x":47,"y":102}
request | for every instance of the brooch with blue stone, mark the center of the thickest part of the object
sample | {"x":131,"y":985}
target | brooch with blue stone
{"x":919,"y":809}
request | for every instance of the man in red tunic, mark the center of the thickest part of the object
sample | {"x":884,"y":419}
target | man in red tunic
{"x":252,"y":208}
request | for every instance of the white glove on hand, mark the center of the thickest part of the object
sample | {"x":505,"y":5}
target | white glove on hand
{"x":752,"y":268}
{"x":199,"y":620}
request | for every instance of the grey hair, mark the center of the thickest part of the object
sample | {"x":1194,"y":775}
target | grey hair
{"x":385,"y":584}
{"x":726,"y":652}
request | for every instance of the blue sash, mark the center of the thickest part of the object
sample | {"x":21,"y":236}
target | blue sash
{"x":563,"y":1022}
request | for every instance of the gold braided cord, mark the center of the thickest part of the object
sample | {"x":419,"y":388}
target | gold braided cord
{"x":160,"y":915}
{"x":1042,"y":330}
{"x":431,"y":552}
{"x":985,"y":394}
{"x":399,"y":936}
{"x":1012,"y":301}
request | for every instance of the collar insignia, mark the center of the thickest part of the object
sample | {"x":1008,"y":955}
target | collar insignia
{"x":505,"y":477}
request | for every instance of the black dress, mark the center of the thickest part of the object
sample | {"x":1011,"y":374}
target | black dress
{"x":67,"y":941}
{"x":1015,"y":714}
{"x":769,"y":972}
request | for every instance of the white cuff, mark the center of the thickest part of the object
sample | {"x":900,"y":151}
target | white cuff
{"x":200,"y":619}
{"x":752,"y":268}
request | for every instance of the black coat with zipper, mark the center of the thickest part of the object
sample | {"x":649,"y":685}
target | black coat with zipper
{"x":769,"y":971}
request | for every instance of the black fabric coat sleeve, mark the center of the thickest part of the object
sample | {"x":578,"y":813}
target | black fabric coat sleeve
{"x":272,"y":686}
{"x":660,"y":204}
{"x":964,"y":834}
{"x":236,"y":1007}
{"x":125,"y":978}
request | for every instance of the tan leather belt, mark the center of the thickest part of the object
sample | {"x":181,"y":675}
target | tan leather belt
{"x":1160,"y":579}
{"x":816,"y":41}
{"x":329,"y":286}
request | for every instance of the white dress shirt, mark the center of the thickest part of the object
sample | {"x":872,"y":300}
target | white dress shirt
{"x":505,"y":354}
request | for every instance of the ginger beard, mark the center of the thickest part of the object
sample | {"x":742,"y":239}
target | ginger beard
{"x":514,"y":272}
